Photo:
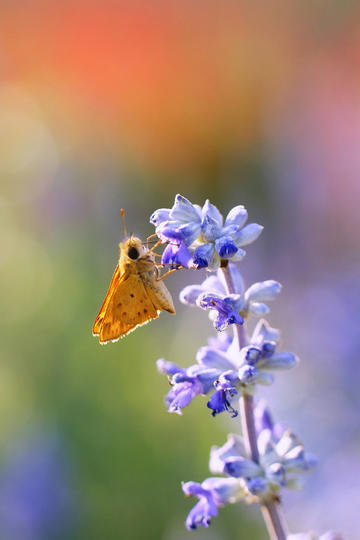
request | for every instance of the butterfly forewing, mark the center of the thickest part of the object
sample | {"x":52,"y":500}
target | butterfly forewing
{"x":127,"y":310}
{"x":112,"y":288}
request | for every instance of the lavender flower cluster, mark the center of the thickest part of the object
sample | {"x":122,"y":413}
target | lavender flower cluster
{"x":230,"y":368}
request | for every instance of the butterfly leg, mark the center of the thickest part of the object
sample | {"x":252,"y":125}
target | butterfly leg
{"x":149,"y":237}
{"x":169,"y":272}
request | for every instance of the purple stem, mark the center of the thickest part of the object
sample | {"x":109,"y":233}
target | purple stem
{"x":271,"y":509}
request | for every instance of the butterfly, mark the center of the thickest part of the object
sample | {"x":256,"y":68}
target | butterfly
{"x":136,"y":293}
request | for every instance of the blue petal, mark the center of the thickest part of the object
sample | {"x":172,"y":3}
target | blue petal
{"x":239,"y":467}
{"x":211,"y":211}
{"x":190,"y":294}
{"x":250,"y":355}
{"x":257,"y":486}
{"x":239,"y":255}
{"x":248,"y":374}
{"x":262,"y":291}
{"x":176,"y":255}
{"x":219,"y":402}
{"x":259,"y":309}
{"x":180,"y":232}
{"x":281,"y":360}
{"x":201,"y":514}
{"x":237,"y":216}
{"x":248,"y":234}
{"x":169,"y":368}
{"x":159,"y":216}
{"x":181,"y":395}
{"x":263,"y":418}
{"x":210,"y":229}
{"x":225,"y":247}
{"x":183,"y":210}
{"x":207,"y":379}
{"x":276,"y":474}
{"x":233,"y":447}
{"x":203,"y":255}
{"x":264,"y":332}
{"x":268,"y":349}
{"x":224,"y":490}
{"x":204,"y":510}
{"x":213,"y":358}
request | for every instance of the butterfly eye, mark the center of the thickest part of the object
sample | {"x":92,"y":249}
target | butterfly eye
{"x":133,"y":253}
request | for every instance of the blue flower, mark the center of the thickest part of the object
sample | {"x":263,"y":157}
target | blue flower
{"x":230,"y":308}
{"x":211,"y":372}
{"x":204,"y":233}
{"x":281,"y":456}
{"x":260,"y":356}
{"x":279,"y":459}
{"x":227,"y":308}
{"x":220,"y":402}
{"x":222,"y":369}
{"x":176,"y":254}
{"x":212,"y":493}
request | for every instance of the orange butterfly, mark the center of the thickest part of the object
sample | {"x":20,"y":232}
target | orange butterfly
{"x":135,"y":296}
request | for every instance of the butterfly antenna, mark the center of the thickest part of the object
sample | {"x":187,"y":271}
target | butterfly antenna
{"x":122,"y":212}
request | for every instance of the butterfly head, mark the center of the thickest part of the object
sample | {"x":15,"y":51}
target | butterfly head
{"x":132,"y":248}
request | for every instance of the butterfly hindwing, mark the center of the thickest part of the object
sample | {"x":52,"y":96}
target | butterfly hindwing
{"x":159,"y":295}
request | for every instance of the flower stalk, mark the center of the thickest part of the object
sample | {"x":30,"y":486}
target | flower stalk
{"x":272,"y":514}
{"x":256,"y":466}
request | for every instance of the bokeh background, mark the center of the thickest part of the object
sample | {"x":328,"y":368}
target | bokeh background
{"x":123,"y":104}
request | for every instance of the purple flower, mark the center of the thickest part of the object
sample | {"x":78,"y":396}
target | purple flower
{"x":281,"y":456}
{"x":176,"y":254}
{"x":220,"y":402}
{"x":212,"y":494}
{"x":227,"y":308}
{"x":204,"y":232}
{"x":230,"y":308}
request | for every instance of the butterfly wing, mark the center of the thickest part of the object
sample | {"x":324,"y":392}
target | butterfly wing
{"x":129,"y":306}
{"x":112,"y":288}
{"x":159,"y":295}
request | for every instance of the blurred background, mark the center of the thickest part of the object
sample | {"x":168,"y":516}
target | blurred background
{"x":117,"y":104}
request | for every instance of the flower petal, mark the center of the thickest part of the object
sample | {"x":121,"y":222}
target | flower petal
{"x":237,"y":216}
{"x":281,"y":360}
{"x":248,"y":234}
{"x":169,"y":368}
{"x":239,"y":467}
{"x":203,"y":256}
{"x":183,"y":210}
{"x":211,"y":211}
{"x":234,"y":447}
{"x":213,"y":358}
{"x":176,"y":255}
{"x":159,"y":216}
{"x":210,"y":229}
{"x":225,"y":247}
{"x":262,"y":291}
{"x":190,"y":294}
{"x":258,"y":308}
